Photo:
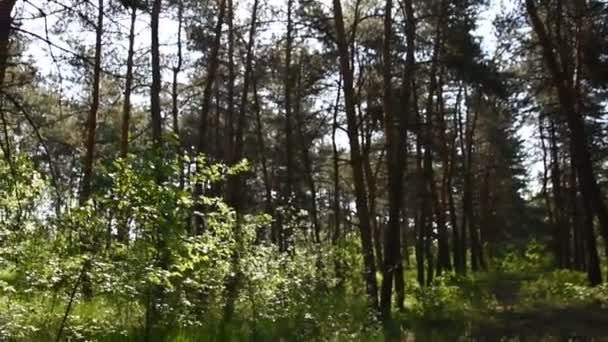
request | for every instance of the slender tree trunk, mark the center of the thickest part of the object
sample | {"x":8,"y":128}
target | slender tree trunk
{"x":337,"y":215}
{"x":123,"y":228}
{"x":577,"y":245}
{"x":91,"y":123}
{"x":217,"y":149}
{"x":89,"y":158}
{"x":6,"y":7}
{"x":404,"y":120}
{"x":126,"y":108}
{"x":288,"y":88}
{"x":430,"y":189}
{"x":444,"y":262}
{"x":370,"y":181}
{"x":443,"y":255}
{"x":468,"y":210}
{"x":155,"y":109}
{"x":229,"y":135}
{"x":456,"y":234}
{"x":395,"y":135}
{"x":157,"y":292}
{"x":212,"y":67}
{"x":355,"y":156}
{"x":274,"y":236}
{"x":463,"y":226}
{"x":235,"y":196}
{"x":175,"y":93}
{"x":546,"y":196}
{"x":308,"y":166}
{"x":420,"y":192}
{"x":556,"y":177}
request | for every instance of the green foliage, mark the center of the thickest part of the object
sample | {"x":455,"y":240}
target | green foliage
{"x":280,"y":294}
{"x":533,"y":259}
{"x":563,"y":287}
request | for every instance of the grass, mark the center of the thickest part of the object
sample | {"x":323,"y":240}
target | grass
{"x":513,"y":302}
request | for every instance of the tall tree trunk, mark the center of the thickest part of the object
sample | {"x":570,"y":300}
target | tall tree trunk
{"x":593,"y":202}
{"x":545,"y":193}
{"x":404,"y":119}
{"x":229,"y":132}
{"x":441,"y":202}
{"x":288,"y":88}
{"x":123,"y":228}
{"x":337,"y":215}
{"x":91,"y":123}
{"x":395,"y":135}
{"x":430,"y":189}
{"x":456,"y":234}
{"x":468,"y":210}
{"x":286,"y":232}
{"x":175,"y":93}
{"x":370,"y":182}
{"x":235,"y":198}
{"x":577,"y":243}
{"x":126,"y":108}
{"x":355,"y":156}
{"x":443,"y":256}
{"x":308,"y":166}
{"x":157,"y":292}
{"x":420,"y":218}
{"x":156,"y":79}
{"x":464,"y":220}
{"x":558,"y":214}
{"x":199,"y":223}
{"x":89,"y":242}
{"x":6,"y":7}
{"x":274,"y":236}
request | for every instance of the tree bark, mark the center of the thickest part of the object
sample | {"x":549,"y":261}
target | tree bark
{"x":6,"y":7}
{"x":308,"y":166}
{"x":274,"y":237}
{"x":155,"y":109}
{"x":123,"y":228}
{"x":395,"y":135}
{"x":175,"y":93}
{"x":91,"y":123}
{"x":88,"y":243}
{"x":126,"y":108}
{"x":420,"y":218}
{"x":288,"y":89}
{"x":337,"y":214}
{"x":212,"y":67}
{"x":355,"y":156}
{"x":456,"y":234}
{"x":558,"y":214}
{"x":468,"y":210}
{"x":229,"y":132}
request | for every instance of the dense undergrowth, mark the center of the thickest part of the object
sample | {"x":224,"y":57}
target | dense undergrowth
{"x":47,"y":258}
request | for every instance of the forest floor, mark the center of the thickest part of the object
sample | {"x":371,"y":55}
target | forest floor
{"x":513,"y":315}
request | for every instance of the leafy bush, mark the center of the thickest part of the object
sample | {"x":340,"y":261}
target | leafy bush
{"x":291,"y":295}
{"x":563,"y":287}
